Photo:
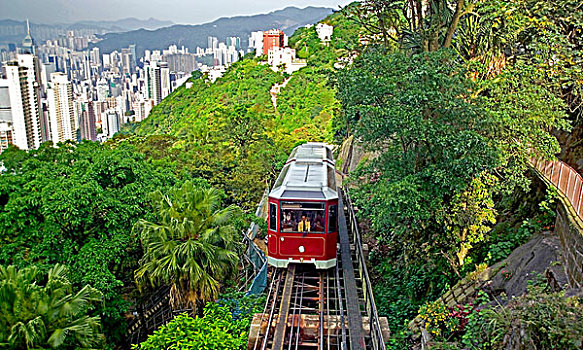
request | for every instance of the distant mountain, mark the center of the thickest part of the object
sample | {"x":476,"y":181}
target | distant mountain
{"x":126,"y":24}
{"x":191,"y":36}
{"x":12,"y":31}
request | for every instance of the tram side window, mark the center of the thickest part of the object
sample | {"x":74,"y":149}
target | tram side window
{"x":272,"y":216}
{"x":332,"y":218}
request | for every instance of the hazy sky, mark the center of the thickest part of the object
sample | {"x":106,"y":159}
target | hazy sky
{"x":179,"y":11}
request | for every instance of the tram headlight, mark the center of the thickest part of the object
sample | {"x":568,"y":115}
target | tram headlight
{"x":301,"y":249}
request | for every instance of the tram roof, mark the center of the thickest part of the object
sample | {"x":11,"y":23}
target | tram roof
{"x":308,"y":174}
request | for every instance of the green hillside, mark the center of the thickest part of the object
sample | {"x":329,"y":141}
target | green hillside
{"x":229,"y":131}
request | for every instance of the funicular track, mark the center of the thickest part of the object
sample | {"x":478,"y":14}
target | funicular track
{"x":306,"y":310}
{"x":320,"y":309}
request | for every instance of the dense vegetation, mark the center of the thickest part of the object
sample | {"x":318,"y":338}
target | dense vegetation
{"x":46,"y":311}
{"x":224,"y":326}
{"x":192,"y":247}
{"x":76,"y":205}
{"x":454,"y":97}
{"x":450,"y":102}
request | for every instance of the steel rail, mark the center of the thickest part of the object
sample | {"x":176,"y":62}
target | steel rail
{"x":376,"y":334}
{"x":271,"y":314}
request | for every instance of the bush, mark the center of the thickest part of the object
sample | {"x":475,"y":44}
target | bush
{"x":537,"y":320}
{"x":225,"y":326}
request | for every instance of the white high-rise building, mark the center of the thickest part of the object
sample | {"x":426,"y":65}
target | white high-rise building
{"x":112,"y":122}
{"x":23,"y":87}
{"x":61,"y":112}
{"x":6,"y":130}
{"x":157,"y":76}
{"x":256,"y":42}
{"x":102,"y":90}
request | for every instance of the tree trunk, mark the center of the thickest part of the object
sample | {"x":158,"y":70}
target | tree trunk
{"x":454,"y":23}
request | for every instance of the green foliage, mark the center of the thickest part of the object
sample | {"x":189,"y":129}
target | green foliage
{"x":225,"y":325}
{"x":440,"y":143}
{"x":545,"y":36}
{"x":229,"y":132}
{"x":76,"y":205}
{"x":416,"y":111}
{"x":402,"y":289}
{"x":437,"y":320}
{"x":537,"y":320}
{"x":45,"y":311}
{"x":344,"y":41}
{"x":192,"y":245}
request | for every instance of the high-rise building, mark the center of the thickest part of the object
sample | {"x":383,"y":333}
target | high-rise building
{"x":95,"y":56}
{"x":272,"y":38}
{"x":23,"y":87}
{"x":133,"y":55}
{"x":157,"y":76}
{"x":102,"y":90}
{"x":6,"y":135}
{"x":61,"y":113}
{"x":213,"y":42}
{"x":6,"y":130}
{"x":28,"y":42}
{"x":112,"y":122}
{"x":87,"y":122}
{"x":181,"y":62}
{"x":256,"y":42}
{"x":126,"y":61}
{"x":5,"y":107}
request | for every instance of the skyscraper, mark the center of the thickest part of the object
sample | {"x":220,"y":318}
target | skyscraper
{"x":61,"y":113}
{"x":6,"y":130}
{"x":28,"y":42}
{"x":87,"y":122}
{"x":23,"y":87}
{"x":157,"y":76}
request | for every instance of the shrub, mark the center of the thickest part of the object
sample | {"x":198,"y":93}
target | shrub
{"x":225,"y":326}
{"x":537,"y":320}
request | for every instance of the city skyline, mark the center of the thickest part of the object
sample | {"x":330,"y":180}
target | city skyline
{"x":183,"y":11}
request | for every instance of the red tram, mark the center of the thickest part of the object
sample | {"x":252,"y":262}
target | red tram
{"x":303,"y":210}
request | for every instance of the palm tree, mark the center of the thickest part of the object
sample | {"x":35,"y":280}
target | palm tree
{"x":43,"y":311}
{"x":191,"y":247}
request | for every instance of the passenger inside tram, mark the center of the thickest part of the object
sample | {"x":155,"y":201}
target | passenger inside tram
{"x":302,"y":220}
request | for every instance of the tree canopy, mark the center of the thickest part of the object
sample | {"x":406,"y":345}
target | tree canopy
{"x":45,"y":311}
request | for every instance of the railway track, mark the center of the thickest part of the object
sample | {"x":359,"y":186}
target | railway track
{"x":305,"y":309}
{"x":314,"y":309}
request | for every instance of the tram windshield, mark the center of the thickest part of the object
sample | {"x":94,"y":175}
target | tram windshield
{"x":302,"y":217}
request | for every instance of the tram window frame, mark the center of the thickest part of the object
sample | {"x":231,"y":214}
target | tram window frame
{"x":309,"y":208}
{"x":273,"y":216}
{"x":332,"y":212}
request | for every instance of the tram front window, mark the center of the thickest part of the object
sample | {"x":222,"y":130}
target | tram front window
{"x":302,"y":217}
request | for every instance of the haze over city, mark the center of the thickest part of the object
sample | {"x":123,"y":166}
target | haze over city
{"x":178,"y":11}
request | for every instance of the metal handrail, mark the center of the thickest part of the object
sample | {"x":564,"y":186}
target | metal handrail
{"x":377,"y":340}
{"x":565,"y":179}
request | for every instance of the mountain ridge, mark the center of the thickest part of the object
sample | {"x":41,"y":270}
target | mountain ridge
{"x":191,"y":36}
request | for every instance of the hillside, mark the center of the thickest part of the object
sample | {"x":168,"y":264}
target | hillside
{"x":230,"y":133}
{"x":191,"y":36}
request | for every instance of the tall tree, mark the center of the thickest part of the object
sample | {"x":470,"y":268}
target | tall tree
{"x":39,"y":311}
{"x":420,"y":25}
{"x":438,"y":142}
{"x":191,"y":247}
{"x":75,"y":205}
